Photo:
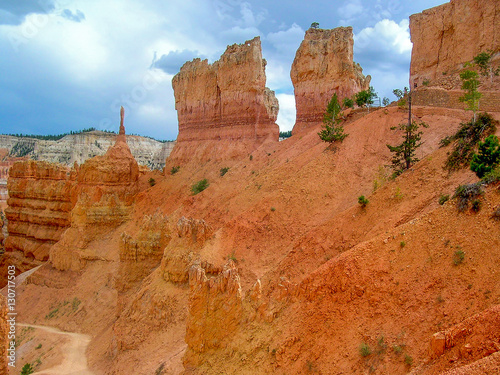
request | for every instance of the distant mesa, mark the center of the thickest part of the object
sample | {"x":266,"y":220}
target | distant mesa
{"x":224,"y":101}
{"x":323,"y":66}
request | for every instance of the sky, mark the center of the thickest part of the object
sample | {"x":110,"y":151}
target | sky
{"x":67,"y":65}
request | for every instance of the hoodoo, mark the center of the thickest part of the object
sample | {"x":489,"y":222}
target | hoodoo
{"x":105,"y":190}
{"x":323,"y":66}
{"x":224,"y":104}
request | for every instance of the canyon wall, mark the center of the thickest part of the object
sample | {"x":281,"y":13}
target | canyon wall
{"x":225,"y":101}
{"x":323,"y":66}
{"x":446,"y":36}
{"x":83,"y":146}
{"x":39,"y":207}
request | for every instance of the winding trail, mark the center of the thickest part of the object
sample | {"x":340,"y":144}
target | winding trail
{"x":75,"y":360}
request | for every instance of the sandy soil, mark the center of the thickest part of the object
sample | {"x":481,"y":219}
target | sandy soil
{"x":75,"y":361}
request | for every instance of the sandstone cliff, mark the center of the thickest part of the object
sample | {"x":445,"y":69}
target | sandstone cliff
{"x":446,"y":36}
{"x":323,"y":65}
{"x":39,"y":208}
{"x":225,"y":101}
{"x":83,"y":146}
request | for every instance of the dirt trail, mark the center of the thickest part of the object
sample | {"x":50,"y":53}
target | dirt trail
{"x":75,"y":360}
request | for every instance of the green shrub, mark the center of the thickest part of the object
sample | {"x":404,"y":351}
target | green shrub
{"x":408,"y":360}
{"x":476,"y":205}
{"x":174,"y":170}
{"x":200,"y":186}
{"x":364,"y":350}
{"x":487,"y":158}
{"x":397,"y":349}
{"x":466,"y":193}
{"x":492,"y":177}
{"x":348,"y":103}
{"x":223,"y":171}
{"x":458,"y":257}
{"x":27,"y":369}
{"x":402,"y":244}
{"x":363,"y":201}
{"x":152,"y":181}
{"x":443,"y":199}
{"x":39,"y":346}
{"x":467,"y":138}
{"x":445,"y":141}
{"x":273,"y":209}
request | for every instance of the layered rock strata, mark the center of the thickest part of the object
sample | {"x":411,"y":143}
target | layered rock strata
{"x":39,"y":207}
{"x":225,"y":101}
{"x":446,"y":36}
{"x":81,"y":147}
{"x":323,"y":66}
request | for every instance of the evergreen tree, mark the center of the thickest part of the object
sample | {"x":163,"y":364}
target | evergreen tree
{"x":332,"y":131}
{"x":470,"y":83}
{"x":404,"y":154}
{"x":488,"y":157}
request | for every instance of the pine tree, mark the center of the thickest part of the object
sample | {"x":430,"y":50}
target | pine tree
{"x":487,"y":158}
{"x":332,"y":131}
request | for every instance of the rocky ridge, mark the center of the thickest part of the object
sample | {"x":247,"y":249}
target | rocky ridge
{"x":83,"y":146}
{"x":323,"y":66}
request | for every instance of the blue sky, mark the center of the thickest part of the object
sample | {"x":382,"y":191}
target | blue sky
{"x":68,"y":64}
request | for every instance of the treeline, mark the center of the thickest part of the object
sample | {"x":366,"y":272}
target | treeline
{"x":56,"y":137}
{"x":287,"y":134}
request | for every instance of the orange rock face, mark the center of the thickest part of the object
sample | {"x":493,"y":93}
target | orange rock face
{"x":323,"y":66}
{"x":39,"y":206}
{"x":214,"y":301}
{"x":451,"y":34}
{"x":226,"y":100}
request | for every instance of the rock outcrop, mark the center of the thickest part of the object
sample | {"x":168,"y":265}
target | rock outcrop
{"x":215,"y":301}
{"x":446,"y":36}
{"x":225,"y":101}
{"x":323,"y":66}
{"x":39,"y":207}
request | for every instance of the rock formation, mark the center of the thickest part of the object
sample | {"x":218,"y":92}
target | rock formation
{"x":105,"y":189}
{"x":225,"y":101}
{"x":446,"y":36}
{"x":323,"y":65}
{"x":39,"y":208}
{"x":215,"y":300}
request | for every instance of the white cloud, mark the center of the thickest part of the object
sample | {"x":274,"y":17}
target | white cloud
{"x":287,"y":113}
{"x":287,"y":41}
{"x":385,"y":36}
{"x":350,"y":10}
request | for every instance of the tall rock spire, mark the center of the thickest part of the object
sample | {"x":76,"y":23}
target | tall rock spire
{"x":121,"y":135}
